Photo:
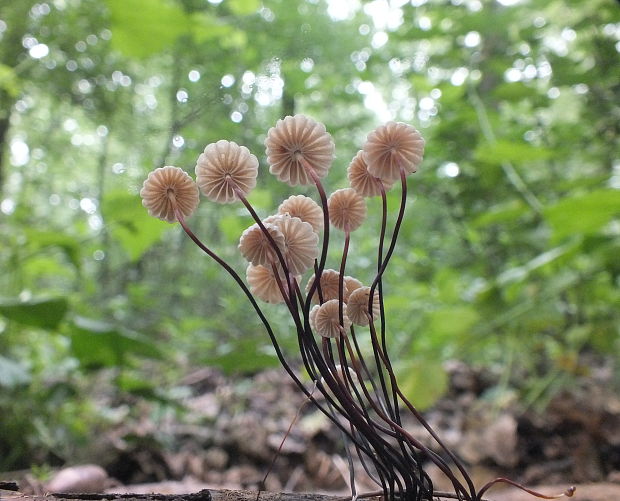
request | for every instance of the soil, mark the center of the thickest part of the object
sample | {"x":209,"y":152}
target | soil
{"x":233,"y":429}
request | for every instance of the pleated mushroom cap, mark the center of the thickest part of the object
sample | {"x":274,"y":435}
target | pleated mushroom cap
{"x":347,"y":209}
{"x":362,"y":181}
{"x":166,"y":186}
{"x":350,"y":284}
{"x":392,"y":146}
{"x":295,"y":140}
{"x":328,"y":283}
{"x":256,"y":247}
{"x":357,"y":307}
{"x":305,"y":209}
{"x":301,"y":243}
{"x":263,"y":284}
{"x":325,"y":322}
{"x":223,"y":166}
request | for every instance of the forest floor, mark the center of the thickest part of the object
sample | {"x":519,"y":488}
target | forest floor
{"x":233,"y":429}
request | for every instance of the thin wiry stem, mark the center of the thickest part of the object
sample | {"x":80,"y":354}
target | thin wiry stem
{"x":567,"y":493}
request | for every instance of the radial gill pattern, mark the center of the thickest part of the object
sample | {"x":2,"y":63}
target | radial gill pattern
{"x":225,"y":167}
{"x":256,"y":247}
{"x":328,"y":283}
{"x":347,"y":209}
{"x":362,"y":181}
{"x":263,"y":283}
{"x":357,"y":307}
{"x":324,"y":319}
{"x":166,"y":188}
{"x":392,"y":146}
{"x":294,"y":145}
{"x":301,"y":243}
{"x":305,"y":209}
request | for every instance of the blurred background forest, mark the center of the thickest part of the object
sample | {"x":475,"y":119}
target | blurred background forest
{"x":508,"y":259}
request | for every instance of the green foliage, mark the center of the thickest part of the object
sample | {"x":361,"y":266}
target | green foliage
{"x":130,"y":225}
{"x":98,"y":344}
{"x":45,"y":313}
{"x":143,"y":28}
{"x":583,"y":214}
{"x":422,"y":381}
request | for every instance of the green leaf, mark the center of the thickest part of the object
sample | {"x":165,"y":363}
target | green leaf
{"x":205,"y":27}
{"x":43,"y":239}
{"x":45,"y":313}
{"x":130,"y":223}
{"x":261,"y":198}
{"x":501,"y":213}
{"x":141,"y":28}
{"x":423,"y":382}
{"x":98,"y":344}
{"x":243,"y":7}
{"x":509,"y":151}
{"x":232,"y":226}
{"x":12,"y":373}
{"x":242,"y":356}
{"x":583,"y":214}
{"x":451,"y":321}
{"x":9,"y":81}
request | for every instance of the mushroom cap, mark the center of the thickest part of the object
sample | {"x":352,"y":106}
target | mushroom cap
{"x":324,"y":319}
{"x":362,"y":181}
{"x":263,"y":283}
{"x":305,"y":209}
{"x":295,"y":138}
{"x":329,"y":285}
{"x":256,"y":247}
{"x":350,"y":284}
{"x":221,"y":167}
{"x":357,"y":307}
{"x":166,"y":186}
{"x":347,"y":209}
{"x":391,"y":146}
{"x":301,"y":243}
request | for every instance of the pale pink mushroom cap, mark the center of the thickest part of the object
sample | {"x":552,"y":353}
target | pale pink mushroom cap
{"x":350,"y":284}
{"x":362,"y":181}
{"x":324,"y":319}
{"x":256,"y":247}
{"x":224,"y":165}
{"x":305,"y":209}
{"x":296,"y":139}
{"x":263,"y":283}
{"x":301,"y":243}
{"x":392,"y":146}
{"x":347,"y":209}
{"x":357,"y":307}
{"x":328,"y":283}
{"x":166,"y":186}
